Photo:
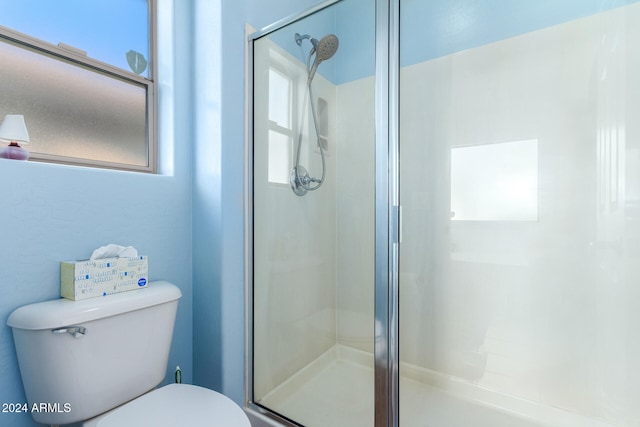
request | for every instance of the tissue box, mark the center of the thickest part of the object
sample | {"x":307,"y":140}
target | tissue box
{"x":100,"y":277}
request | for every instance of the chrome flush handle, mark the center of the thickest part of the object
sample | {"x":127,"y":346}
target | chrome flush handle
{"x":76,"y":331}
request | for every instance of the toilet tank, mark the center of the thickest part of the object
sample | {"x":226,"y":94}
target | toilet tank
{"x":79,"y":359}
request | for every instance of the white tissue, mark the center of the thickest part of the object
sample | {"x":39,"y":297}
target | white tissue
{"x":113,"y":251}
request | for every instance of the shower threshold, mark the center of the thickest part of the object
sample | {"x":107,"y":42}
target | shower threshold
{"x":336,"y":390}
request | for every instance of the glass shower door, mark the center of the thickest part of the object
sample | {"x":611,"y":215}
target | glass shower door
{"x":520,"y":188}
{"x":313,"y":220}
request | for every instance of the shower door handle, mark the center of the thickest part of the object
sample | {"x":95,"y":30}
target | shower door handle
{"x":396,"y":223}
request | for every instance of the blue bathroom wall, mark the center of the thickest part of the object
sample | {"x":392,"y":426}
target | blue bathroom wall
{"x":355,"y":22}
{"x":210,"y":287}
{"x":51,"y":213}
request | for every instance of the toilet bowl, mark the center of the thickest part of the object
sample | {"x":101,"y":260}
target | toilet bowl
{"x":175,"y":405}
{"x":102,"y":358}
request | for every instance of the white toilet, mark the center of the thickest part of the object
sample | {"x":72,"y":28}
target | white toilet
{"x":97,"y":362}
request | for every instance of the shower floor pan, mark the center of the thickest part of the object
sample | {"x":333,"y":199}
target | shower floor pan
{"x":336,"y":390}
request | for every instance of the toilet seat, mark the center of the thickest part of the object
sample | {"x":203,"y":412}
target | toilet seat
{"x":176,"y":405}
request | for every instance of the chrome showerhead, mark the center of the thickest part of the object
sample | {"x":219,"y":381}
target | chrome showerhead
{"x":324,"y":49}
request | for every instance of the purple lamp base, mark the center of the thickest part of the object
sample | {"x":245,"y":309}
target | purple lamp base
{"x":15,"y":152}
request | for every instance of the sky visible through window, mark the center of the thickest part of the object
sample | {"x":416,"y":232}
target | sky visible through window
{"x":105,"y":29}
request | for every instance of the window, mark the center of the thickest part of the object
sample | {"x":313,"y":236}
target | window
{"x":84,"y":82}
{"x":280,"y":126}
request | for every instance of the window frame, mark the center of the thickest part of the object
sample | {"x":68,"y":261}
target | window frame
{"x":77,"y":59}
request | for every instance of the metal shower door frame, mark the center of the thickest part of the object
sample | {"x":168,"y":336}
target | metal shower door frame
{"x":387,"y":214}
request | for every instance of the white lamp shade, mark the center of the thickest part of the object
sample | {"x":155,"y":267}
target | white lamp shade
{"x":13,"y":129}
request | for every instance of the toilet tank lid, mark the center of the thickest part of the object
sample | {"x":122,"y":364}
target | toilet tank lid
{"x":64,"y":312}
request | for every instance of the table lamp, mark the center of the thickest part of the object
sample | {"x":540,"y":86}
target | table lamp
{"x":14,"y":131}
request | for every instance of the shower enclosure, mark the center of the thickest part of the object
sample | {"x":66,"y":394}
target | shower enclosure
{"x":445,"y":215}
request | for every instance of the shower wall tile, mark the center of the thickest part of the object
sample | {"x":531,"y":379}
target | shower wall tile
{"x":355,"y":213}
